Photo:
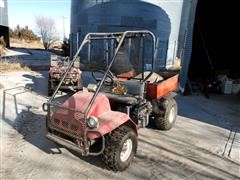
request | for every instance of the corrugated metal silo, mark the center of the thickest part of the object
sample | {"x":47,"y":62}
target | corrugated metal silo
{"x":161,"y":17}
{"x":4,"y":29}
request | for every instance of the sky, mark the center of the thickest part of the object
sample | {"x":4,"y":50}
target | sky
{"x":23,"y":12}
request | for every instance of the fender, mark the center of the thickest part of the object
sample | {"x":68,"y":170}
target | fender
{"x":110,"y":121}
{"x":170,"y":95}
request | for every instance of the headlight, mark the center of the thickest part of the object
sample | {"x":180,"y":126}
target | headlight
{"x":92,"y":122}
{"x":45,"y":107}
{"x":56,"y":75}
{"x":67,"y":81}
{"x":74,"y":75}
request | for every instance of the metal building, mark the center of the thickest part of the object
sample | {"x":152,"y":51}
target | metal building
{"x":162,"y":17}
{"x":4,"y":29}
{"x":186,"y":39}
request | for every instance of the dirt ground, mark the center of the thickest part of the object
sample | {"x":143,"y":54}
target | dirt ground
{"x":204,"y":144}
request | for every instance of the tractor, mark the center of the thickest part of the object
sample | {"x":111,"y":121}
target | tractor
{"x":104,"y":117}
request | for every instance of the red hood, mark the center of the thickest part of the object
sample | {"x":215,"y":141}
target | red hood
{"x":80,"y":101}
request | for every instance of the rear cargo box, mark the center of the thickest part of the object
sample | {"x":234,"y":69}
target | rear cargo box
{"x":157,"y":90}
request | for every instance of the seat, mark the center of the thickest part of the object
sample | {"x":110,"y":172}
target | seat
{"x":123,"y":99}
{"x":135,"y":90}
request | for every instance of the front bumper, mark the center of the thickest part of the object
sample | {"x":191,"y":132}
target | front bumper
{"x":84,"y":151}
{"x":65,"y":143}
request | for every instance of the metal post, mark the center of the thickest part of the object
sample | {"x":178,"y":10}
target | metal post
{"x":106,"y":51}
{"x":77,"y":39}
{"x":89,"y":51}
{"x":141,"y":55}
{"x":174,"y":49}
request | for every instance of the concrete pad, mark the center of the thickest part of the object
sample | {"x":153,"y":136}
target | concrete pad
{"x":204,"y":144}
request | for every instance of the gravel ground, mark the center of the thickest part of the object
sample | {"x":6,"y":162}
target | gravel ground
{"x":204,"y":144}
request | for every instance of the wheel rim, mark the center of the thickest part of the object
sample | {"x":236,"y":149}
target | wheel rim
{"x":171,"y":114}
{"x":126,"y":150}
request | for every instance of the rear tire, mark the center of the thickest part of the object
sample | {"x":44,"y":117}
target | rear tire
{"x":168,"y":120}
{"x":120,"y":148}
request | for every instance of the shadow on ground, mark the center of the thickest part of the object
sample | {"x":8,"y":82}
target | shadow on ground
{"x":31,"y":124}
{"x":221,"y":110}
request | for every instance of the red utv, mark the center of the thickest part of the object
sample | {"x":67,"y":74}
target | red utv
{"x":105,"y":117}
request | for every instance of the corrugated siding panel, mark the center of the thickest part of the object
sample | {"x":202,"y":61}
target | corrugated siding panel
{"x":188,"y":46}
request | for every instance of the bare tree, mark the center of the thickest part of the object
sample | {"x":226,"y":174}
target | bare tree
{"x":47,"y":30}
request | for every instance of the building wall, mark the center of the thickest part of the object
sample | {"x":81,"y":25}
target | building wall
{"x":184,"y":26}
{"x":188,"y":27}
{"x":161,"y":17}
{"x":4,"y":29}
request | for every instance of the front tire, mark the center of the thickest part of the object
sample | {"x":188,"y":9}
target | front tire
{"x":167,"y":121}
{"x":120,"y":148}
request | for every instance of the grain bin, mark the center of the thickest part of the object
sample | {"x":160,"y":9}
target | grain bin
{"x":159,"y":16}
{"x":4,"y":29}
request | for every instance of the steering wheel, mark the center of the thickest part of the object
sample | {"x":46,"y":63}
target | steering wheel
{"x":109,"y":79}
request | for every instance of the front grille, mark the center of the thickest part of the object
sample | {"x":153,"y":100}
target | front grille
{"x":67,"y":121}
{"x":57,"y":121}
{"x":74,"y":128}
{"x":65,"y":124}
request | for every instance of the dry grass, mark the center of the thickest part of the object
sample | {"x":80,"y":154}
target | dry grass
{"x":2,"y":50}
{"x":26,"y":44}
{"x":10,"y":66}
{"x":1,"y":86}
{"x":2,"y":46}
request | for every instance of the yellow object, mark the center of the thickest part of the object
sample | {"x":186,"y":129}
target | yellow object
{"x":119,"y":89}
